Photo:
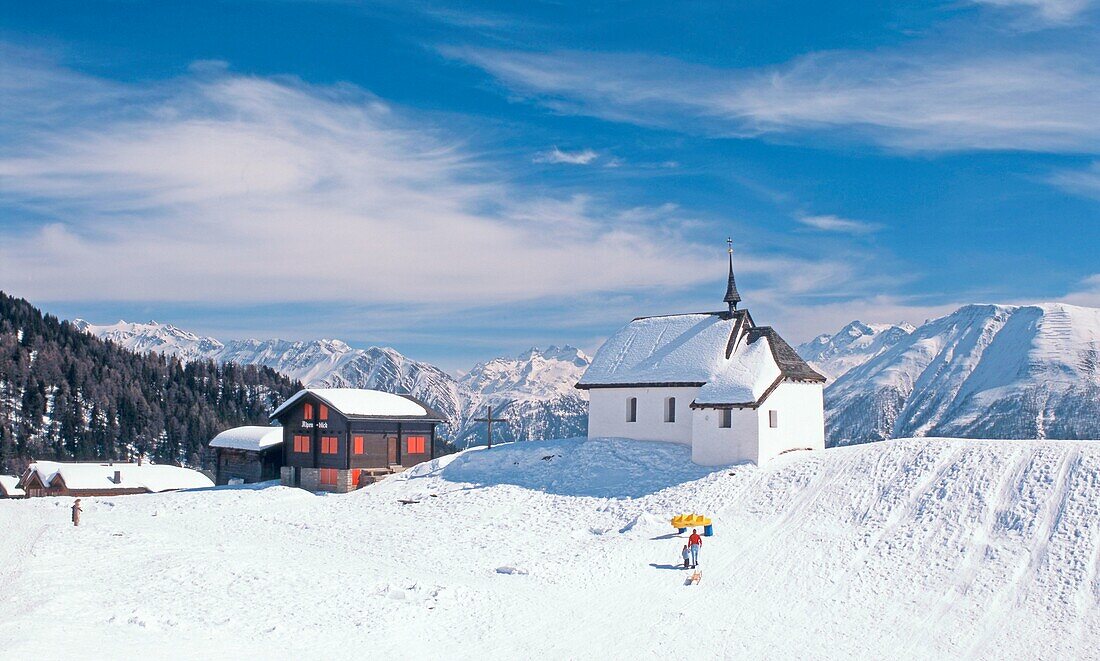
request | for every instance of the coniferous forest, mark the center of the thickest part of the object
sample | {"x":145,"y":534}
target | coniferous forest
{"x":65,"y":395}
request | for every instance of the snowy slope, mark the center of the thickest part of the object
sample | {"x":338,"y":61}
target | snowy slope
{"x":537,"y":385}
{"x":982,"y":371}
{"x":914,"y":549}
{"x":851,"y":346}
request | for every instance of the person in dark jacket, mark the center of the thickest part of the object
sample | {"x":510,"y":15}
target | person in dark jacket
{"x":695,"y":542}
{"x":76,"y":512}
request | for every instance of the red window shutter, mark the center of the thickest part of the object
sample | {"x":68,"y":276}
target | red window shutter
{"x":414,"y":445}
{"x":355,"y":477}
{"x":358,"y":445}
{"x":328,"y":476}
{"x":322,"y":412}
{"x":308,"y":412}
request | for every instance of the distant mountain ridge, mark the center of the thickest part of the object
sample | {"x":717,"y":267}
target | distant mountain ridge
{"x":534,"y":391}
{"x":851,"y":346}
{"x":983,"y":371}
{"x":65,"y":395}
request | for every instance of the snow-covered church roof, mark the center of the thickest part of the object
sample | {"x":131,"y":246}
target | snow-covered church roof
{"x":363,"y":403}
{"x":253,"y":438}
{"x":731,"y":360}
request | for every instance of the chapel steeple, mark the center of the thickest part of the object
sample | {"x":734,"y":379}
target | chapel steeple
{"x":732,"y":297}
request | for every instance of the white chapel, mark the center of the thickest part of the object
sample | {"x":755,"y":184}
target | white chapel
{"x":715,"y":381}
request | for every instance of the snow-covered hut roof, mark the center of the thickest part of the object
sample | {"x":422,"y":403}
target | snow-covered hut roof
{"x":362,"y":403}
{"x":9,"y":486}
{"x":252,"y":438}
{"x":731,"y":360}
{"x":85,"y":476}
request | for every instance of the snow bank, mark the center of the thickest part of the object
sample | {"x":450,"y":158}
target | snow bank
{"x":603,"y":467}
{"x":914,"y":549}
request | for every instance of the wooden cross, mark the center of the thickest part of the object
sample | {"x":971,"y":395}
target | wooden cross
{"x":489,"y":420}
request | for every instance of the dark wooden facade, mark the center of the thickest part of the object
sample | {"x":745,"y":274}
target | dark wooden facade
{"x":248,"y":465}
{"x":318,"y":436}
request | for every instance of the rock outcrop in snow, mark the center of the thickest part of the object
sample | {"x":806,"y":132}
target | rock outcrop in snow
{"x":983,"y":371}
{"x":534,"y":390}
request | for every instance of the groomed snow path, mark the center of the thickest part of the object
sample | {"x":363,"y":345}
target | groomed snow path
{"x":922,"y":548}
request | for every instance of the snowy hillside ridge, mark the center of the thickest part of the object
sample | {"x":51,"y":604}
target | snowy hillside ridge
{"x":916,"y":549}
{"x":534,"y":391}
{"x":983,"y":371}
{"x":165,"y":339}
{"x":851,"y":346}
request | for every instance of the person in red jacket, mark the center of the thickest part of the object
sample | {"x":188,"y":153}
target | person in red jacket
{"x":694,"y":543}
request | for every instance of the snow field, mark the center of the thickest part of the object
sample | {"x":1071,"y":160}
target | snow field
{"x":917,"y":548}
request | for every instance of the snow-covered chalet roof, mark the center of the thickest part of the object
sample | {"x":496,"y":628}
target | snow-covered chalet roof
{"x":731,"y":360}
{"x":9,"y":486}
{"x":151,"y":477}
{"x":253,"y":438}
{"x":362,"y":403}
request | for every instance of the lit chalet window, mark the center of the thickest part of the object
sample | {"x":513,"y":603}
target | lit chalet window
{"x":301,"y":443}
{"x":322,"y":412}
{"x":328,"y":476}
{"x":358,"y":445}
{"x":415,"y":445}
{"x":329,"y":444}
{"x":307,"y":411}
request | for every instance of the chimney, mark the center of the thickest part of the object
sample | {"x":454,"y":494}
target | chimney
{"x":118,"y":477}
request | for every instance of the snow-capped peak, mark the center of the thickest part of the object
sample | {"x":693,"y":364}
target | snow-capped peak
{"x":851,"y":346}
{"x":998,"y":371}
{"x":537,"y":386}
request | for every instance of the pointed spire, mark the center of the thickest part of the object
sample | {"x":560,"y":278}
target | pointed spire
{"x":732,"y":297}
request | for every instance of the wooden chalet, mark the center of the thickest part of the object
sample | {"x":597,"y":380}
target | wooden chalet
{"x":339,"y":439}
{"x":54,"y":478}
{"x":249,"y":454}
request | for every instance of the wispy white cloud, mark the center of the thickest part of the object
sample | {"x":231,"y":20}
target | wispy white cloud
{"x":908,"y":100}
{"x":1046,"y":11}
{"x":1086,"y":293}
{"x":1084,"y":182}
{"x":223,"y":188}
{"x":831,"y":223}
{"x":555,"y":155}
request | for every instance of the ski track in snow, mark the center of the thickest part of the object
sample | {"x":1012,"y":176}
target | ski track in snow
{"x":916,"y":549}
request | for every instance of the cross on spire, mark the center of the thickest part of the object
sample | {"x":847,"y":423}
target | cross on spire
{"x":732,"y":297}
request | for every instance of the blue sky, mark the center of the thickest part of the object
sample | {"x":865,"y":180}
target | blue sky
{"x":466,"y":180}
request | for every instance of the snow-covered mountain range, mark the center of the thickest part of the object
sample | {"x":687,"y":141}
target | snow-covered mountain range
{"x":983,"y":371}
{"x":851,"y":346}
{"x":534,"y":391}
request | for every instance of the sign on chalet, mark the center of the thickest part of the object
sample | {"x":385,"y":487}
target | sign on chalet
{"x":338,"y":439}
